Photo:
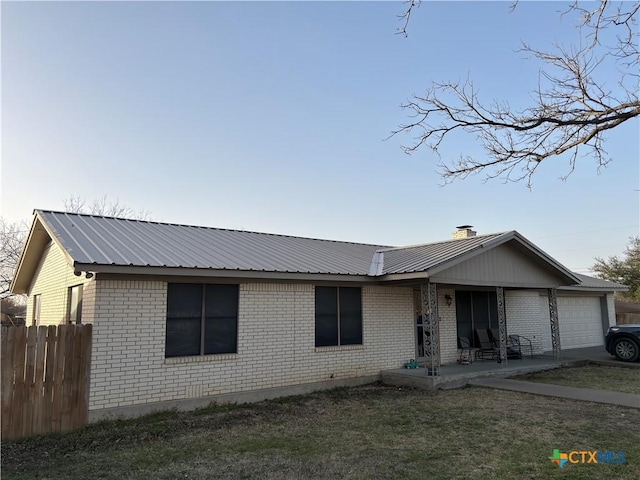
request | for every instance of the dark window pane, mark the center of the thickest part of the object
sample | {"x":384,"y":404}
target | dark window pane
{"x":493,"y":310}
{"x":326,"y":316}
{"x":350,"y":316}
{"x":184,"y":300}
{"x":420,"y":334}
{"x":221,"y":335}
{"x":480,"y":310}
{"x":221,"y":301}
{"x":183,"y":337}
{"x":221,"y":319}
{"x":184,"y":311}
{"x":463,"y":315}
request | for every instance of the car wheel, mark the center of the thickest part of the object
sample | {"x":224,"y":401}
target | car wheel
{"x":626,"y":350}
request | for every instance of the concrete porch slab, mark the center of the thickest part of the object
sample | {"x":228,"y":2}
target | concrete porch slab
{"x":457,"y":376}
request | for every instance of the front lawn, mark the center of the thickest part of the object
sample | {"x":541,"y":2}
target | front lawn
{"x":365,"y":432}
{"x":599,"y":377}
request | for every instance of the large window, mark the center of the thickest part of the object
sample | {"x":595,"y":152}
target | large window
{"x":475,"y":310}
{"x":338,"y":316}
{"x":202,"y":319}
{"x":74,"y":310}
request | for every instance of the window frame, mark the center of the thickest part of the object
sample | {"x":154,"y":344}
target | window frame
{"x":77,"y":318}
{"x":203,"y":320}
{"x":338,"y":318}
{"x":37,"y":307}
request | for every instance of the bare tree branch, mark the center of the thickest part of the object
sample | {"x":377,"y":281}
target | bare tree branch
{"x":405,"y":16}
{"x":571,"y":110}
{"x":104,"y":207}
{"x":12,"y":236}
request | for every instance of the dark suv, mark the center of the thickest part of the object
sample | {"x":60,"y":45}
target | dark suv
{"x":623,"y":341}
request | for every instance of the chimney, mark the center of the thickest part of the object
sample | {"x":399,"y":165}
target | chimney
{"x":464,"y":231}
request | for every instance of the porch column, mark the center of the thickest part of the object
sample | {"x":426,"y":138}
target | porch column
{"x":502,"y":326}
{"x":431,"y":328}
{"x":555,"y":325}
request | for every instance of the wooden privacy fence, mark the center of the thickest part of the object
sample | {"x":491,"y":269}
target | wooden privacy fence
{"x":627,"y":318}
{"x":45,"y":378}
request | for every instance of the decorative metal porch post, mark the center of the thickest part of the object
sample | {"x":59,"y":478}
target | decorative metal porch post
{"x":431,"y":327}
{"x":555,"y":325}
{"x":502,"y":326}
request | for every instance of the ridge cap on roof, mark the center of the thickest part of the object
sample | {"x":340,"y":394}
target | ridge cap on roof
{"x":449,"y":240}
{"x":209,"y":228}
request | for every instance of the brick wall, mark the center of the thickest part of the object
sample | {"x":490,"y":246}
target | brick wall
{"x":545,"y":322}
{"x":611,"y":307}
{"x":449,"y":352}
{"x":522,"y":308}
{"x":52,"y":280}
{"x":275,"y":343}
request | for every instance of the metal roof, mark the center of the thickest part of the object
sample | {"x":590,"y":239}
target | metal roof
{"x":98,"y":240}
{"x":107,"y":244}
{"x":419,"y":258}
{"x":594,"y":284}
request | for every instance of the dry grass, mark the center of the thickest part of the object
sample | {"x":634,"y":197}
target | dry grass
{"x":599,"y":377}
{"x":365,"y":432}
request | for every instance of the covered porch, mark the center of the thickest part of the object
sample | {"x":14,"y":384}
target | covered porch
{"x":501,"y":284}
{"x":445,"y":323}
{"x":457,"y":376}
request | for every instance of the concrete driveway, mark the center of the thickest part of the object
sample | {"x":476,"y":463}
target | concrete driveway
{"x":594,"y":354}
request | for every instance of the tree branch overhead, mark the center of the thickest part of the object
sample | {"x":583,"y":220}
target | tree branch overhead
{"x":570,"y":110}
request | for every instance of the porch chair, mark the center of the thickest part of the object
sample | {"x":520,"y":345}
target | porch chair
{"x":514,"y":350}
{"x":521,"y":342}
{"x":487,"y":347}
{"x":465,"y":347}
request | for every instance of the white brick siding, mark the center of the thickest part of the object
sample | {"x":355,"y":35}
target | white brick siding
{"x":276,"y":343}
{"x":545,"y":322}
{"x":522,"y":308}
{"x":449,"y":352}
{"x":52,"y":280}
{"x":611,"y":308}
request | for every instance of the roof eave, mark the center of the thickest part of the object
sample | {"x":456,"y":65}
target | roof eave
{"x":220,"y":273}
{"x":583,"y":288}
{"x":31,"y":253}
{"x":26,"y":267}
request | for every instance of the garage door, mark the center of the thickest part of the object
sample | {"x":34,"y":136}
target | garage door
{"x":580,"y":321}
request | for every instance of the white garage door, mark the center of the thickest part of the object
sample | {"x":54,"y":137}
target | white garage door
{"x":580,"y":321}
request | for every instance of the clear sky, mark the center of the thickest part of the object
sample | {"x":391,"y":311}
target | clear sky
{"x":271,"y":116}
